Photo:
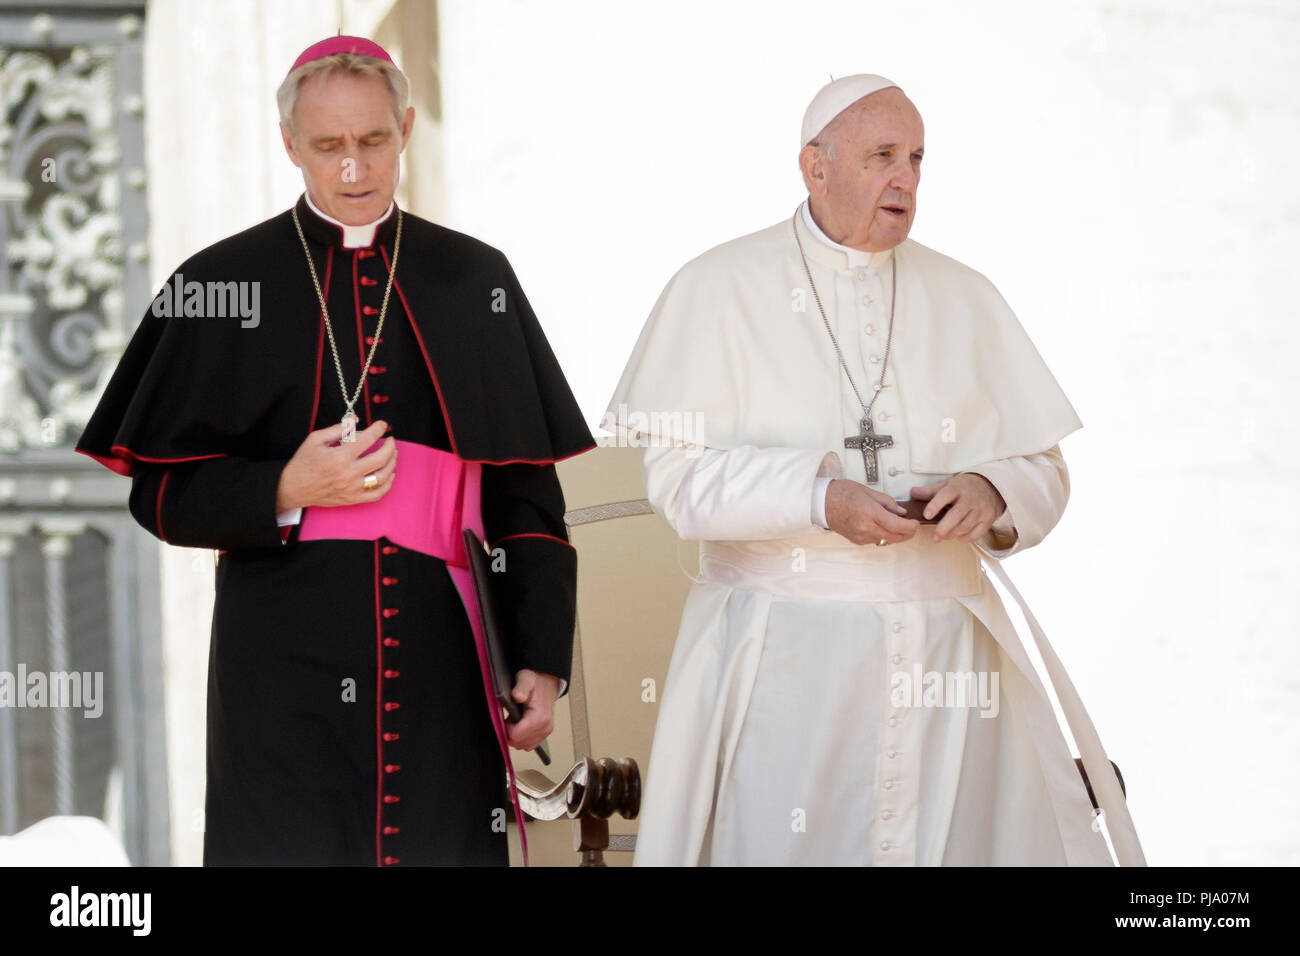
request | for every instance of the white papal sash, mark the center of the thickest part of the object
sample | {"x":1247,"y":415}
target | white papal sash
{"x":829,"y":567}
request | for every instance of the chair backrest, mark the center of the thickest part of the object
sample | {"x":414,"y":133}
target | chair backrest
{"x":632,"y":584}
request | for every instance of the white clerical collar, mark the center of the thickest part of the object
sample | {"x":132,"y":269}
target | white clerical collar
{"x":354,"y":237}
{"x":853,"y":258}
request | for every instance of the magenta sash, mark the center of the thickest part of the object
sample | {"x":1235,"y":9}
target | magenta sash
{"x":421,"y":509}
{"x":433,"y":497}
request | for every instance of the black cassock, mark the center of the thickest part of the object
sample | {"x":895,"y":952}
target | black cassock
{"x":203,"y":412}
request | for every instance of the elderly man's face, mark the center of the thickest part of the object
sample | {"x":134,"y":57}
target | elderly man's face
{"x":347,"y":143}
{"x":866,"y":196}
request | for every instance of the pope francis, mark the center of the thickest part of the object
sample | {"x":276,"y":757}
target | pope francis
{"x":846,"y":687}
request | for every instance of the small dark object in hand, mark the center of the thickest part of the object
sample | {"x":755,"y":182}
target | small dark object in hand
{"x":916,"y":510}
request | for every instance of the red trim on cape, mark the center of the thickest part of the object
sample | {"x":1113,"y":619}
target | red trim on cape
{"x":157,"y":506}
{"x":441,"y":402}
{"x":124,"y":461}
{"x":121,"y":467}
{"x":410,"y":319}
{"x":533,"y":461}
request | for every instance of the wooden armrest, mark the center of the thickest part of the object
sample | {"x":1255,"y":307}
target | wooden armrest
{"x":591,"y":788}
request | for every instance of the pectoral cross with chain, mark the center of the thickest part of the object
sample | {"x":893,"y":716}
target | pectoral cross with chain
{"x":867,"y":441}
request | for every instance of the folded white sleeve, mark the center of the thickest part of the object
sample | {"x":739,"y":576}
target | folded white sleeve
{"x":819,"y":501}
{"x":737,"y":494}
{"x":1036,"y":489}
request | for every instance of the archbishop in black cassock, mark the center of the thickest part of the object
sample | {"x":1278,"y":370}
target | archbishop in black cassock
{"x":203,"y":413}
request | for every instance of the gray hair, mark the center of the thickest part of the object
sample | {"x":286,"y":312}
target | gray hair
{"x":825,"y":143}
{"x":399,"y":90}
{"x":828,"y":139}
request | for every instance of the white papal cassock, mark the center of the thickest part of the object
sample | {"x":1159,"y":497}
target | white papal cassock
{"x":782,"y":737}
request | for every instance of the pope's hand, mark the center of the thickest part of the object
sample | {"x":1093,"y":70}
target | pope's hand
{"x":536,"y":692}
{"x":864,"y":515}
{"x":322,"y":472}
{"x":976,"y":504}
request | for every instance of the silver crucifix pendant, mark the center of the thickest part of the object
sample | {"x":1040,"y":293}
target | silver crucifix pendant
{"x":867,"y":441}
{"x":349,"y":421}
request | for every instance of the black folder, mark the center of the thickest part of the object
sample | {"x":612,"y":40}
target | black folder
{"x":481,"y":574}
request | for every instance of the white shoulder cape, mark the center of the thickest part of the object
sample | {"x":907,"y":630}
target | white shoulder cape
{"x":725,"y":359}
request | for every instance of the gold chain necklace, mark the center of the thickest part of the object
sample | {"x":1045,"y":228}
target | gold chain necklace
{"x":349,"y":420}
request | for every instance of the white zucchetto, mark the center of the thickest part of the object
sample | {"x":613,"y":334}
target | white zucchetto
{"x":837,"y":96}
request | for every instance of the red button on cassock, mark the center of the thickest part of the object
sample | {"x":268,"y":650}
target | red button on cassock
{"x":389,"y":798}
{"x":378,"y":369}
{"x":391,"y":674}
{"x":389,"y":831}
{"x":366,"y":280}
{"x":365,"y":253}
{"x":370,"y":339}
{"x":391,"y":642}
{"x":389,"y":549}
{"x":391,"y":860}
{"x":392,"y":768}
{"x":392,"y":705}
{"x":391,"y":737}
{"x":390,"y":611}
{"x":388,"y":581}
{"x":379,"y":399}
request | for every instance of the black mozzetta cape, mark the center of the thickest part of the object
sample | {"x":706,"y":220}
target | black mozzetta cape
{"x":347,"y":721}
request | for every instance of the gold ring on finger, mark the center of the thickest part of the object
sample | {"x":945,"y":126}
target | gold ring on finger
{"x":370,"y":482}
